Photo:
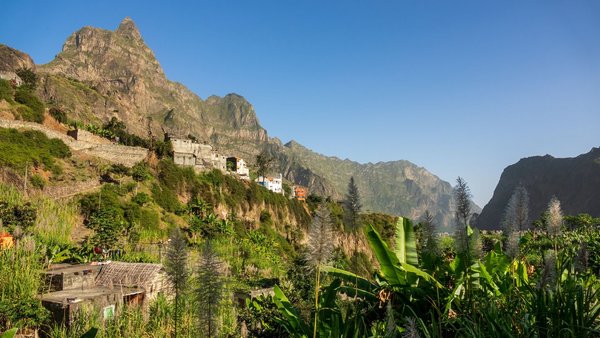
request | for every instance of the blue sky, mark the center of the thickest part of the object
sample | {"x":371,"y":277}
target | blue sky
{"x":462,"y":88}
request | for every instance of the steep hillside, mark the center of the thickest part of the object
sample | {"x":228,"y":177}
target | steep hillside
{"x":397,"y":187}
{"x":574,"y":181}
{"x":100,"y":74}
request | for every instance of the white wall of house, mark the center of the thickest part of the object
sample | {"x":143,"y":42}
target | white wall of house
{"x":242,"y":169}
{"x":275,"y":184}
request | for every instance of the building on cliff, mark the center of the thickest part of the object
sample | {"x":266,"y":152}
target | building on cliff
{"x":197,"y":155}
{"x":299,"y":192}
{"x":274,"y":184}
{"x":238,"y":165}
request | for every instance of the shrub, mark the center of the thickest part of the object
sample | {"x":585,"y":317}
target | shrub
{"x":6,"y":91}
{"x":12,"y":215}
{"x":32,"y":101}
{"x":140,"y":172}
{"x":21,"y":149}
{"x":37,"y":181}
{"x":108,"y":224}
{"x":58,"y":114}
{"x":265,"y":217}
{"x":166,"y":198}
{"x":140,"y":199}
{"x":30,"y":79}
{"x":25,"y":113}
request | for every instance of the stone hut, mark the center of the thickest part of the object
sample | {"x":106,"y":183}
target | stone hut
{"x":102,"y":288}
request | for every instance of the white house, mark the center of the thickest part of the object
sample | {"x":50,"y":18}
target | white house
{"x":239,"y":166}
{"x":275,"y":184}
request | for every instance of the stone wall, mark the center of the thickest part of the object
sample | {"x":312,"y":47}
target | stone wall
{"x":63,"y":191}
{"x":115,"y":153}
{"x":86,"y":136}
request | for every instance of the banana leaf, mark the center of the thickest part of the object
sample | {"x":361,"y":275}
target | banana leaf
{"x":388,"y":260}
{"x":393,"y":271}
{"x":293,"y":322}
{"x":9,"y":333}
{"x":355,"y":280}
{"x":420,"y":273}
{"x":91,"y":333}
{"x":406,"y":244}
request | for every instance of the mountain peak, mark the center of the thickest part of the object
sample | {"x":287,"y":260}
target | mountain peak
{"x":128,"y":29}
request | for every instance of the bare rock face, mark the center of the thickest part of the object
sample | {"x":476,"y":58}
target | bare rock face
{"x":114,"y":73}
{"x":574,"y":181}
{"x":12,"y":60}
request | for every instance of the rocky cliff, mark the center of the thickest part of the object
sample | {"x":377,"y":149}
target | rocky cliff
{"x":101,"y":73}
{"x":574,"y":181}
{"x":12,"y":60}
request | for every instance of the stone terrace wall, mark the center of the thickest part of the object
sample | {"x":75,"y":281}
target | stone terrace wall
{"x":64,"y":191}
{"x":115,"y":153}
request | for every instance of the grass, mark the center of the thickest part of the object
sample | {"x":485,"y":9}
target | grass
{"x":19,"y":149}
{"x":20,"y":268}
{"x":55,"y":219}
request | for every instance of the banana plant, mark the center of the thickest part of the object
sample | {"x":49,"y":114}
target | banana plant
{"x":10,"y":333}
{"x":292,"y":322}
{"x":335,"y":320}
{"x":398,"y":267}
{"x":398,"y":273}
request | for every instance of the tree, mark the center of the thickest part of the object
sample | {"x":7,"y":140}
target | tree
{"x":209,"y":291}
{"x":30,"y":79}
{"x":352,"y":207}
{"x":177,"y":269}
{"x":264,"y":162}
{"x":428,"y":242}
{"x":320,"y":248}
{"x":516,"y":218}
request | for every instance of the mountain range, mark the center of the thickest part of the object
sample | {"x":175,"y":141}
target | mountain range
{"x":100,"y":74}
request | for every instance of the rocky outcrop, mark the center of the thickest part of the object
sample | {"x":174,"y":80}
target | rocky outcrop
{"x":12,"y":60}
{"x":114,"y":73}
{"x":574,"y":181}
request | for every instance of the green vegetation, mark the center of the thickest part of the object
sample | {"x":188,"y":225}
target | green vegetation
{"x":520,"y":297}
{"x":34,"y":111}
{"x":29,"y":77}
{"x":20,"y":281}
{"x":58,"y":114}
{"x":26,"y":104}
{"x":30,"y":148}
{"x":7,"y":92}
{"x":408,"y":281}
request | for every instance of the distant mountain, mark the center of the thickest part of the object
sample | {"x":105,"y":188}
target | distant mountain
{"x":574,"y":181}
{"x":101,"y":74}
{"x":397,"y":187}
